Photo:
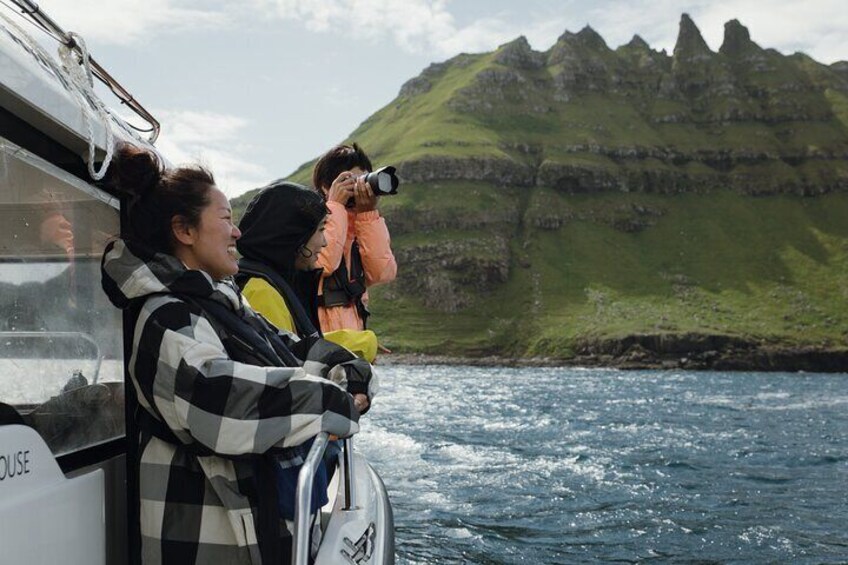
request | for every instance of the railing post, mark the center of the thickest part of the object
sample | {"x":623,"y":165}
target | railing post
{"x":303,"y":500}
{"x":349,"y":482}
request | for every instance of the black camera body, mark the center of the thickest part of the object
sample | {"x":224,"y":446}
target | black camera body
{"x":383,"y":182}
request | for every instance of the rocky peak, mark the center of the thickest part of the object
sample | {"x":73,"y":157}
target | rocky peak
{"x":576,"y":46}
{"x":737,"y":40}
{"x":563,"y":49}
{"x":590,"y":38}
{"x":690,"y":44}
{"x":518,"y":54}
{"x":638,"y":43}
{"x":841,"y":68}
{"x":423,"y":82}
{"x":639,"y":55}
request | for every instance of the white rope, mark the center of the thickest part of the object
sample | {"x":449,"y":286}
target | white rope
{"x":80,"y":74}
{"x":75,"y":72}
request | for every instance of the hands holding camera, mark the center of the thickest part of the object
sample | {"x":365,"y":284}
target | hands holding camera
{"x":351,"y":190}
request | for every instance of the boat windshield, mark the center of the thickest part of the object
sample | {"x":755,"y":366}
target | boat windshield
{"x":61,"y":362}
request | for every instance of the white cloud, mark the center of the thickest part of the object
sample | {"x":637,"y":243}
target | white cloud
{"x":124,"y":22}
{"x":816,"y":27}
{"x":213,"y":140}
{"x":416,"y":26}
{"x":430,"y":26}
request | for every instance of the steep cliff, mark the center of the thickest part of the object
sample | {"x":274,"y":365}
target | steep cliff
{"x":558,"y":203}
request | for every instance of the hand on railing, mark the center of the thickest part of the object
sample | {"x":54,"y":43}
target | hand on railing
{"x":347,"y":482}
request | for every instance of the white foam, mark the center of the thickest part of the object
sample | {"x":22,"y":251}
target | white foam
{"x":459,"y":533}
{"x":378,"y":443}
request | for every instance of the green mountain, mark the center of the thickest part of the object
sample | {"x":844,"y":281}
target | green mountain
{"x":619,"y":206}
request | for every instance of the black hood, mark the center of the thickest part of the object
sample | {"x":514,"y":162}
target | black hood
{"x":277,"y":222}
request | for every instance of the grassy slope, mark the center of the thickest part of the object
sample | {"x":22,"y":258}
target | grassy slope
{"x":771,"y":268}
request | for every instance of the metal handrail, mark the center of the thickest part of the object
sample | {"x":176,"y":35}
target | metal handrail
{"x":47,"y":334}
{"x":347,"y":475}
{"x":31,"y":9}
{"x":303,"y":500}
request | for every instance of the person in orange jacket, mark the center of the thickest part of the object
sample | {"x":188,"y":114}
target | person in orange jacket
{"x":358,"y":254}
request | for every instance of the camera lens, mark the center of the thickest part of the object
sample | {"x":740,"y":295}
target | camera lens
{"x":383,"y":181}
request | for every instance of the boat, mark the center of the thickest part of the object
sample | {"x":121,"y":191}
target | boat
{"x":67,"y":468}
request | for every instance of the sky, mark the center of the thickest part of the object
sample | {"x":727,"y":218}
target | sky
{"x":254,"y":88}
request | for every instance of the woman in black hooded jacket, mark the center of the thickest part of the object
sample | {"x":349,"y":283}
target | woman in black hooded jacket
{"x":282,"y":234}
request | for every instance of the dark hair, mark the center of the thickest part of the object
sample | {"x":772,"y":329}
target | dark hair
{"x":156,"y":195}
{"x":337,"y":160}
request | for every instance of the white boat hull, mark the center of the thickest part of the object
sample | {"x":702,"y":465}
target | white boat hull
{"x":365,"y":534}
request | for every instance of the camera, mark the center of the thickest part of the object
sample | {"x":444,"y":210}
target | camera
{"x":383,"y":182}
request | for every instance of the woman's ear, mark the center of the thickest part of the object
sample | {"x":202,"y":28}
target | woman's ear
{"x":183,"y":232}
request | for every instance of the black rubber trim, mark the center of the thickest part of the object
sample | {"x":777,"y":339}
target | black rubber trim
{"x":92,"y":455}
{"x":28,"y":137}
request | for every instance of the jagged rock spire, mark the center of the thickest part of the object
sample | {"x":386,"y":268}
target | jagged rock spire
{"x":518,"y":54}
{"x":737,"y":40}
{"x":689,"y":40}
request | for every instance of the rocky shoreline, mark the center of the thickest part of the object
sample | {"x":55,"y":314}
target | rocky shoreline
{"x":662,"y":352}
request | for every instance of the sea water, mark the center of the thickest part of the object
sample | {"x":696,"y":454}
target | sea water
{"x":542,"y":465}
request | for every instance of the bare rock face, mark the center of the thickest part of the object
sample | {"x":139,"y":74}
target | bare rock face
{"x":415,"y":86}
{"x":496,"y":171}
{"x":737,"y":40}
{"x":449,"y":276}
{"x":769,"y":96}
{"x":417,"y":220}
{"x":424,"y":82}
{"x":690,"y":45}
{"x":519,"y":55}
{"x":581,"y":62}
{"x":576,"y":178}
{"x":639,"y":44}
{"x":490,"y":87}
{"x":522,"y":141}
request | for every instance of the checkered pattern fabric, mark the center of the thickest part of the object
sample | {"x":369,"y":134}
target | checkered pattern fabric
{"x":201,"y":509}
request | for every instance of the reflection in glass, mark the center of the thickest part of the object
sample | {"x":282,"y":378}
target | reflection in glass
{"x":60,"y":341}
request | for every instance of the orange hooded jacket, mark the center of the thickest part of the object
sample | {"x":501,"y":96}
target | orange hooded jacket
{"x":378,"y":261}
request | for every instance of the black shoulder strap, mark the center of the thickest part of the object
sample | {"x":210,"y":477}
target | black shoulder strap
{"x":298,"y":312}
{"x":342,"y":288}
{"x":357,"y":271}
{"x":357,"y":286}
{"x":352,"y":282}
{"x":240,"y":336}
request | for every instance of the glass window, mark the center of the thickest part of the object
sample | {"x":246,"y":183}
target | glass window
{"x":61,"y":362}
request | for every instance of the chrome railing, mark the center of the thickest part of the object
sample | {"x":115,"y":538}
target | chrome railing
{"x":39,"y":17}
{"x":303,"y":498}
{"x":347,"y":475}
{"x":47,"y":335}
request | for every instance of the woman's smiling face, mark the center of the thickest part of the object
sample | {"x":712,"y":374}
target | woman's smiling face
{"x":211,"y":245}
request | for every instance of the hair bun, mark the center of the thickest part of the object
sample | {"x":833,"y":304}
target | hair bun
{"x":135,"y":172}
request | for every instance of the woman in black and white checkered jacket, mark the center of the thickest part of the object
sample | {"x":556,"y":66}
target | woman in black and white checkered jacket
{"x":222,"y":395}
